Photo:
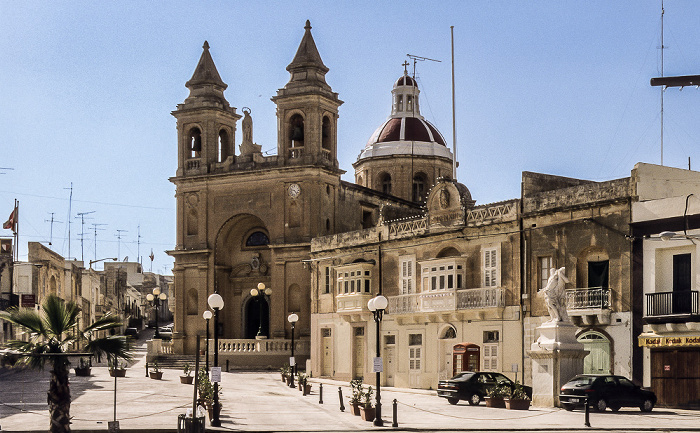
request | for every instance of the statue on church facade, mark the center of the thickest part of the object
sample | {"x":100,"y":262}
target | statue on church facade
{"x":247,"y":146}
{"x":554,"y":295}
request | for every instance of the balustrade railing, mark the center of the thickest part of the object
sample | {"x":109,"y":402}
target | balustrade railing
{"x":588,"y":298}
{"x":673,"y":303}
{"x":231,"y":346}
{"x":193,"y":163}
{"x":448,"y":300}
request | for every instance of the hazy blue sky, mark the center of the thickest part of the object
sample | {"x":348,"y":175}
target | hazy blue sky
{"x":560,"y":87}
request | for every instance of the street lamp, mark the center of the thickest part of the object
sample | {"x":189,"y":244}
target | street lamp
{"x":156,"y":299}
{"x":377,"y":305}
{"x":292,"y":318}
{"x":260,"y":292}
{"x":207,"y":315}
{"x":101,"y":260}
{"x":216,"y":303}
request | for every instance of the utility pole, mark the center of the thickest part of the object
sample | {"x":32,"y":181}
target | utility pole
{"x":95,"y":229}
{"x":70,"y":203}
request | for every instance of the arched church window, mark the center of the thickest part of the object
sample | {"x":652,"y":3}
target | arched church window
{"x":419,"y":187}
{"x":296,"y":136}
{"x":224,"y":145}
{"x":385,"y":182}
{"x":195,"y":142}
{"x":326,"y":133}
{"x":257,"y":239}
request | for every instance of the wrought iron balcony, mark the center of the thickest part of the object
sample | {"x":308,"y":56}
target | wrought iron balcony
{"x":668,"y":305}
{"x":588,"y":298}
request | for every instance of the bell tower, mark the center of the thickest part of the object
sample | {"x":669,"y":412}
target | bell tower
{"x":206,"y":123}
{"x":307,"y":110}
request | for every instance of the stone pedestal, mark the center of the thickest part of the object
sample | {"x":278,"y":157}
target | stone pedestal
{"x":556,"y":358}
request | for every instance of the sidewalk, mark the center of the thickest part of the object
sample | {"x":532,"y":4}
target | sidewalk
{"x":260,"y":401}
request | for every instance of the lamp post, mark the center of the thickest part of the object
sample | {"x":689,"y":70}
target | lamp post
{"x":292,"y":318}
{"x":207,"y":315}
{"x":216,"y":303}
{"x":260,"y":293}
{"x":377,"y":305}
{"x":101,"y":260}
{"x":156,"y":298}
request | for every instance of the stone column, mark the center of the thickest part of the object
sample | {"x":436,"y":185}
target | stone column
{"x":556,"y":358}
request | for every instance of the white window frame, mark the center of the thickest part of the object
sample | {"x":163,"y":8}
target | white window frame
{"x":489,"y":357}
{"x":415,"y":354}
{"x":490,"y":267}
{"x":407,"y":274}
{"x":355,"y":278}
{"x":544,"y":264}
{"x":436,"y":274}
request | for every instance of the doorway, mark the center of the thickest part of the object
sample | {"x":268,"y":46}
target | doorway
{"x":257,"y":318}
{"x":598,"y":359}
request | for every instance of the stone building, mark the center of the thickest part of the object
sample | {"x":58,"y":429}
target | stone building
{"x":244,"y":218}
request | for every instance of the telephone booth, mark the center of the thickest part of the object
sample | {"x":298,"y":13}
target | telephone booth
{"x":465,"y":357}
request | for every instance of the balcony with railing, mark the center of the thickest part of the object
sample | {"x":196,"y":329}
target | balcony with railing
{"x":676,"y":306}
{"x":447,"y":301}
{"x":589,"y":304}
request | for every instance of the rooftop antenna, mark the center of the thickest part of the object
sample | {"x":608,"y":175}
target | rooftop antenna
{"x":95,"y":229}
{"x":81,"y":215}
{"x":70,"y":203}
{"x":138,"y":244}
{"x":52,"y":220}
{"x":419,"y":59}
{"x":119,"y":241}
{"x":663,"y":89}
{"x":454,"y":122}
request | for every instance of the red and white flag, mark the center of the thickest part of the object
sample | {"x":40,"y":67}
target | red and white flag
{"x":151,"y":256}
{"x":12,"y":221}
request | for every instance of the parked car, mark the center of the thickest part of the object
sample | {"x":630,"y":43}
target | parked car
{"x":605,"y":391}
{"x":165,"y":333}
{"x":131,"y":333}
{"x":473,"y":386}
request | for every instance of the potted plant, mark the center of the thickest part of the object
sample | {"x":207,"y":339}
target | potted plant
{"x":304,"y":384}
{"x":495,"y":397}
{"x":284,"y":371}
{"x":356,"y":396}
{"x":83,"y":368}
{"x":518,"y":400}
{"x":367,"y":411}
{"x":186,"y":377}
{"x":205,"y":392}
{"x":117,"y":368}
{"x":155,"y":372}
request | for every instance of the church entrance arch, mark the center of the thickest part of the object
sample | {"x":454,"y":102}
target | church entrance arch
{"x":257,"y":318}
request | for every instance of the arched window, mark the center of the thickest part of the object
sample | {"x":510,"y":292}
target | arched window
{"x":419,"y":183}
{"x":192,"y":302}
{"x":296,"y":136}
{"x":326,"y":133}
{"x":385,"y":182}
{"x":448,"y":333}
{"x":224,"y":146}
{"x":195,"y":142}
{"x":257,"y":239}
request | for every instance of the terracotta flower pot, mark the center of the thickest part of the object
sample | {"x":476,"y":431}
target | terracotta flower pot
{"x":156,"y":376}
{"x":495,"y":402}
{"x":355,"y":408}
{"x":117,"y":372}
{"x":82,"y":371}
{"x":186,"y":379}
{"x":517,"y":404}
{"x":307,"y":389}
{"x":367,"y":413}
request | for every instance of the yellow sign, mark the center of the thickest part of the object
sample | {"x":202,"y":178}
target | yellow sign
{"x":685,"y":341}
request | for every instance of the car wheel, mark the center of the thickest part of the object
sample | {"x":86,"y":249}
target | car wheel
{"x":474,"y":399}
{"x":614,"y":408}
{"x":600,"y":405}
{"x":452,"y":400}
{"x":568,"y":406}
{"x":647,"y":405}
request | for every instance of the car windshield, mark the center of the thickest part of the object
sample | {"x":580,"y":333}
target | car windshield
{"x":463,"y":376}
{"x":579,"y":381}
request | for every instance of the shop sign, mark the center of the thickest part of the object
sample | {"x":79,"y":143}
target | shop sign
{"x":28,"y":300}
{"x":692,"y":341}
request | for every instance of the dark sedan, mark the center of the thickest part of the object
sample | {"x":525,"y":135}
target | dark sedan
{"x":605,"y":391}
{"x":473,"y":386}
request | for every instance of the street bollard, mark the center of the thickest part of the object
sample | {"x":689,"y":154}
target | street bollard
{"x":147,"y":369}
{"x":587,"y":422}
{"x":227,"y":366}
{"x":395,"y":422}
{"x":340,"y":395}
{"x":320,"y":393}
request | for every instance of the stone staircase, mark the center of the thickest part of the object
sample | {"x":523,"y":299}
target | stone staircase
{"x":177,"y":362}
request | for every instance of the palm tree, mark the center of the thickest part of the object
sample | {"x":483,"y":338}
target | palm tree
{"x":53,"y":334}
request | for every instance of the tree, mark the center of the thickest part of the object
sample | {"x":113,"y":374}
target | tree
{"x":53,"y":334}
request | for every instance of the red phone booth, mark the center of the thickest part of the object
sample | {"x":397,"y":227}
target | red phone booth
{"x":465,"y":357}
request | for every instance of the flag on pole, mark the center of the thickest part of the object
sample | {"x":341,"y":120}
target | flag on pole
{"x":151,"y":256}
{"x":11,"y":221}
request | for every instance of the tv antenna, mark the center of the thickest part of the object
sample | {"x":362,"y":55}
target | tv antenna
{"x":3,"y":169}
{"x":95,"y":229}
{"x":417,"y":59}
{"x":52,"y":220}
{"x":81,"y":215}
{"x":119,"y":241}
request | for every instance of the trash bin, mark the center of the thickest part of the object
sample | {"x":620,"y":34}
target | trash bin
{"x":190,"y":425}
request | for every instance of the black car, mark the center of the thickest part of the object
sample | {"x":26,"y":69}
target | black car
{"x":473,"y":386}
{"x":605,"y":391}
{"x":131,"y":333}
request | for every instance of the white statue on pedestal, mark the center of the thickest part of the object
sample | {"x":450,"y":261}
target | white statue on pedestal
{"x":554,"y":295}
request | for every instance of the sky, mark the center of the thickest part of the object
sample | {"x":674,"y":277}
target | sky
{"x":558,"y":87}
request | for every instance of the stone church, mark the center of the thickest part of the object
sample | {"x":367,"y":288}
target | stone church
{"x":244,"y":218}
